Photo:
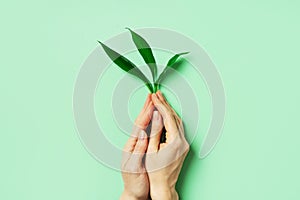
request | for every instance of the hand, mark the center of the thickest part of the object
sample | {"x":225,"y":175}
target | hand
{"x":164,"y":160}
{"x":136,"y":182}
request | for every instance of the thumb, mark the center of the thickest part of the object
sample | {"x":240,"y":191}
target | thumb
{"x":141,"y":146}
{"x":156,"y":131}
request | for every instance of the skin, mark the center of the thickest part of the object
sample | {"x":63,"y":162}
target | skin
{"x":151,"y":168}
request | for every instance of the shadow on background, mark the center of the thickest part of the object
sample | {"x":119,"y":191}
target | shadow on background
{"x":190,"y":160}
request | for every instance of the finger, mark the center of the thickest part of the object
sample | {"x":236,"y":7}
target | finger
{"x":140,"y":147}
{"x":160,"y":96}
{"x":130,"y":144}
{"x":146,"y":104}
{"x":177,"y":118}
{"x":159,"y":105}
{"x":179,"y":124}
{"x":145,"y":116}
{"x":168,"y":117}
{"x":164,"y":101}
{"x":156,"y":131}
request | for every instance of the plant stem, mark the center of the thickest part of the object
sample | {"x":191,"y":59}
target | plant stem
{"x":149,"y":86}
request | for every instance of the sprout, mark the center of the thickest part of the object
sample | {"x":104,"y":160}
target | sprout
{"x":147,"y":54}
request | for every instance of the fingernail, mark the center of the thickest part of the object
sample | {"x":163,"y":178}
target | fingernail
{"x":155,"y":115}
{"x":143,"y":135}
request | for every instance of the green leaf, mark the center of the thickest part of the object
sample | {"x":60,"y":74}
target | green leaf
{"x":126,"y":65}
{"x":174,"y":58}
{"x":145,"y":51}
{"x":170,"y":64}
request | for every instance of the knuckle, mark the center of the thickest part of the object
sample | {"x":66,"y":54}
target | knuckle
{"x":140,"y":146}
{"x":186,"y":147}
{"x":132,"y":168}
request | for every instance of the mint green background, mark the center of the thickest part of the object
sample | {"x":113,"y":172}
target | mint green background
{"x":255,"y":45}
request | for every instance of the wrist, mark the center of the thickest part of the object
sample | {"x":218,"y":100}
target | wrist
{"x":127,"y":196}
{"x":164,"y":193}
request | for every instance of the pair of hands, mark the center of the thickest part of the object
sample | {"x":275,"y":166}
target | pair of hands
{"x":150,"y":167}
